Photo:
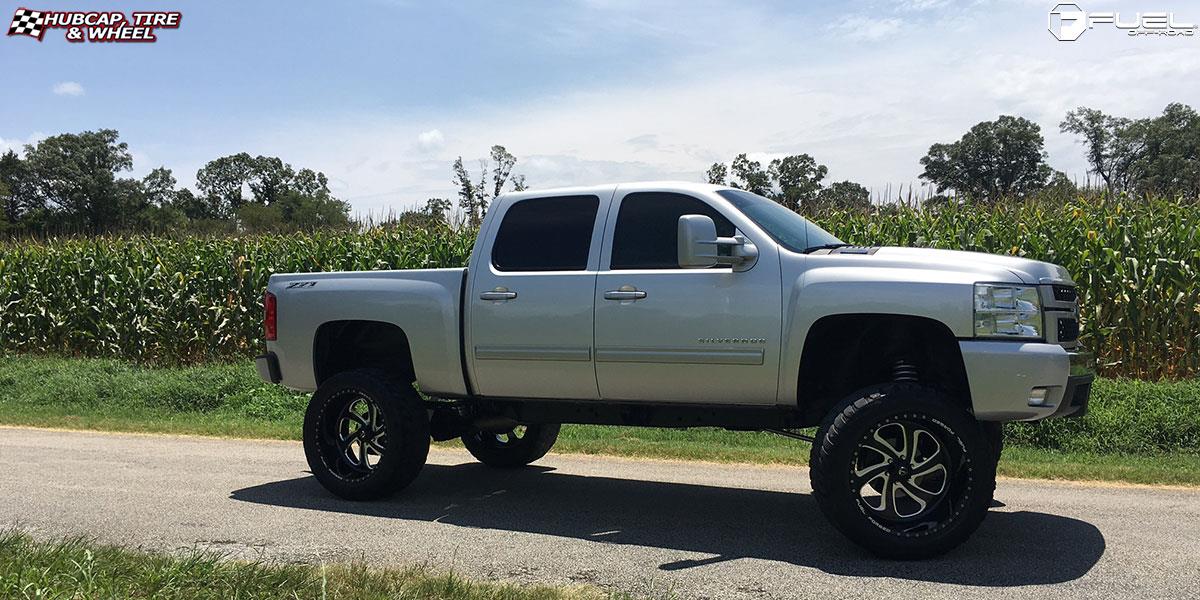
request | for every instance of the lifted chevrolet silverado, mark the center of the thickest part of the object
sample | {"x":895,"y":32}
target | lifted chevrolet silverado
{"x":685,"y":305}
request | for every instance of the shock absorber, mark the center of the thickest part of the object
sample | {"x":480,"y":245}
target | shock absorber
{"x":903,"y":370}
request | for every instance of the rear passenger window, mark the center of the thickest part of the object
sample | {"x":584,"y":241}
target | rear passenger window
{"x":546,"y":234}
{"x":647,"y":231}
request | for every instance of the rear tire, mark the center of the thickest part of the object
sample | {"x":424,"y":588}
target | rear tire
{"x":515,"y":448}
{"x":366,"y":435}
{"x":902,"y":471}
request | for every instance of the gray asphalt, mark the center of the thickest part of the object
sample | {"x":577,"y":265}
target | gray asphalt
{"x":693,"y":530}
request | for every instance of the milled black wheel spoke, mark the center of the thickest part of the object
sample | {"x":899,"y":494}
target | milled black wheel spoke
{"x":864,"y":475}
{"x":918,"y":494}
{"x":881,"y":448}
{"x":363,"y":460}
{"x":887,"y":493}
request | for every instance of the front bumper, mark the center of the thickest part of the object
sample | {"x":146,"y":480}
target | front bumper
{"x":1079,"y":385}
{"x":268,"y":368}
{"x":1014,"y":381}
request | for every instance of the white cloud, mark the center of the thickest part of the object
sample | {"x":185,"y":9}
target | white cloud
{"x":647,"y":141}
{"x":68,"y":88}
{"x":921,"y":5}
{"x":863,"y":27}
{"x":431,"y":140}
{"x":18,"y":145}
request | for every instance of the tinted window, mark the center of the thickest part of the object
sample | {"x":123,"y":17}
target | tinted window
{"x":791,"y":230}
{"x":647,"y":231}
{"x":546,"y":234}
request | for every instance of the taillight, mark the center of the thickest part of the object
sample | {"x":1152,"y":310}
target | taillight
{"x":269,"y":313}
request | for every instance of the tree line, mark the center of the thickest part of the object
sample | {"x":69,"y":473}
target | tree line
{"x":1006,"y":159}
{"x":72,"y":182}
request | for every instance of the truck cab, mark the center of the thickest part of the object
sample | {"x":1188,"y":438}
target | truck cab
{"x":679,"y":305}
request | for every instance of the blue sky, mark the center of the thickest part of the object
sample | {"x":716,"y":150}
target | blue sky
{"x":381,"y":95}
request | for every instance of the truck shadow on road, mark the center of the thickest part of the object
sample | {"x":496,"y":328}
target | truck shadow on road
{"x":1010,"y":549}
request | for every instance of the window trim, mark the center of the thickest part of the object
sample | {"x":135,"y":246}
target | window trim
{"x":593,"y":232}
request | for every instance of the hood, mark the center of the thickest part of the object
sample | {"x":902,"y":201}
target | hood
{"x":1028,"y":271}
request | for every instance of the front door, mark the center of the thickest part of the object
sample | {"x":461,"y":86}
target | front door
{"x":530,"y":300}
{"x":682,"y":335}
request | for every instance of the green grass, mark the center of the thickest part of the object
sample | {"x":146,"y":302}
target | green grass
{"x":1136,"y":431}
{"x":79,"y":568}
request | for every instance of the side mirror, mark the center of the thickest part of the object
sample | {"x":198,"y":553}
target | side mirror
{"x":698,"y":244}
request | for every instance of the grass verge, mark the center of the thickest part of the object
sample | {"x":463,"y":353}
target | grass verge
{"x":79,"y":568}
{"x":1136,"y":432}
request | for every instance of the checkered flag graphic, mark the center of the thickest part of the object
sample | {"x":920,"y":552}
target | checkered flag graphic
{"x":28,"y":22}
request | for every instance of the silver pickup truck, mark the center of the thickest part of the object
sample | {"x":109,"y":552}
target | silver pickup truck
{"x":687,"y":305}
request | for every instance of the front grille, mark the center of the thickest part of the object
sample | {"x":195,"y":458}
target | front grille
{"x":1068,"y":329}
{"x":1065,"y":293}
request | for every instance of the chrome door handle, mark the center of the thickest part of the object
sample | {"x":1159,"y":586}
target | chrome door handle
{"x":624,"y":295}
{"x":498,"y":294}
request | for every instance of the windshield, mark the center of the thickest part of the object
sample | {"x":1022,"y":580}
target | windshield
{"x":787,"y":228}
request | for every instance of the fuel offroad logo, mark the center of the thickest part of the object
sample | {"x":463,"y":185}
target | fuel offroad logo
{"x":92,"y":26}
{"x":1067,"y":22}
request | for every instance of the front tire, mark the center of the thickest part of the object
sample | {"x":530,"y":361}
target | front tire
{"x":515,"y":448}
{"x":366,"y":435}
{"x":902,"y":471}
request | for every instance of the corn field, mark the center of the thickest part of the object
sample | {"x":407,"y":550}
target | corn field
{"x":172,"y":301}
{"x":179,"y":301}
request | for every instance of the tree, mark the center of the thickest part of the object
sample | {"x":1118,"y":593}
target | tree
{"x":310,"y":183}
{"x":159,"y":187}
{"x":1109,"y":142}
{"x":438,"y":209}
{"x":434,"y":215}
{"x":76,"y":174}
{"x":474,"y":196}
{"x":798,"y":178}
{"x":717,"y":174}
{"x":1157,"y":155}
{"x":222,"y":181}
{"x":504,"y":163}
{"x":198,"y":208}
{"x":270,"y":178}
{"x":18,"y":195}
{"x":5,"y":224}
{"x":470,"y":196}
{"x":309,"y":213}
{"x":1167,"y":158}
{"x":844,"y":195}
{"x":1060,"y":187}
{"x":294,"y":211}
{"x":750,"y":176}
{"x":993,"y":160}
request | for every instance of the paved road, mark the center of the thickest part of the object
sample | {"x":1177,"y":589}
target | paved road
{"x":648,"y":527}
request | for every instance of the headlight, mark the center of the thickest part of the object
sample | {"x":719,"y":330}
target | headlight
{"x":1007,"y":311}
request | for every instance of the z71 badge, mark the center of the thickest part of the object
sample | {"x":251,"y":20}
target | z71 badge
{"x":301,"y":284}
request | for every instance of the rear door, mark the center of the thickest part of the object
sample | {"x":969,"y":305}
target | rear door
{"x":531,"y":298}
{"x":668,"y":334}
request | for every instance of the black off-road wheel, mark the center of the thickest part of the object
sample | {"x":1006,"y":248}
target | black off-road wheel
{"x":902,"y":471}
{"x":514,"y":448}
{"x":366,"y":435}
